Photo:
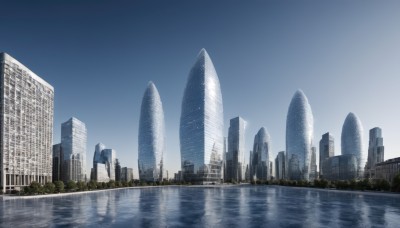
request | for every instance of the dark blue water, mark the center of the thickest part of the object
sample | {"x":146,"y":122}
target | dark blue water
{"x":242,"y":206}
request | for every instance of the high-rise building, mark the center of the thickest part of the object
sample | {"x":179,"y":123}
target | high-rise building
{"x":224,"y":157}
{"x":376,"y":151}
{"x":260,"y":166}
{"x":117,"y":170}
{"x":126,"y":174}
{"x":26,"y":128}
{"x":57,"y":161}
{"x":280,"y":166}
{"x":342,"y":167}
{"x":151,"y":136}
{"x":106,"y":166}
{"x":201,"y":124}
{"x":352,"y":132}
{"x":313,"y":164}
{"x":73,"y":146}
{"x":299,"y":136}
{"x":235,"y":157}
{"x":326,"y":149}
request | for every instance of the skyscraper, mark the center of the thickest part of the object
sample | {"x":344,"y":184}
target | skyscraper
{"x":26,"y":110}
{"x":326,"y":149}
{"x":280,"y":166}
{"x":299,"y":135}
{"x":351,"y":143}
{"x":57,"y":161}
{"x":202,"y":123}
{"x":376,"y":151}
{"x":235,"y":157}
{"x":151,"y":136}
{"x":313,"y":164}
{"x":260,"y":166}
{"x":73,"y":146}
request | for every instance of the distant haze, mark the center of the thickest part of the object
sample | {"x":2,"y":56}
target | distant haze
{"x":100,"y":55}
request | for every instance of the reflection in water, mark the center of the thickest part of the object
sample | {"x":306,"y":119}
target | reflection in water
{"x":237,"y":206}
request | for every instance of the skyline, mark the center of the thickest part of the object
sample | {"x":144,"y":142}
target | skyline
{"x":337,"y":67}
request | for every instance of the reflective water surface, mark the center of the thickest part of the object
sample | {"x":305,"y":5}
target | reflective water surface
{"x":241,"y":206}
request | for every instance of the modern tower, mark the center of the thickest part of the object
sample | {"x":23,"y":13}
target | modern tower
{"x":313,"y":163}
{"x":151,"y":136}
{"x":260,"y":167}
{"x":26,"y":126}
{"x":235,"y":166}
{"x":280,"y":166}
{"x":326,"y":149}
{"x":201,"y":123}
{"x":352,"y":133}
{"x":105,"y":164}
{"x":73,"y":146}
{"x":376,"y":150}
{"x":299,"y":135}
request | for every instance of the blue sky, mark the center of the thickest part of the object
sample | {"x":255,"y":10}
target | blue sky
{"x":100,"y":55}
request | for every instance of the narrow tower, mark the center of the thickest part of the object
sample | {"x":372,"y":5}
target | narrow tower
{"x":151,"y":136}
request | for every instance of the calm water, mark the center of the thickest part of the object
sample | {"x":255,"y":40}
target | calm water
{"x":244,"y":206}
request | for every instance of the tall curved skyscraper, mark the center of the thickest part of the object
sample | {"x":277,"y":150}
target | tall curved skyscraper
{"x":352,"y":133}
{"x":151,"y":136}
{"x":202,"y":124}
{"x":259,"y":165}
{"x":299,"y":136}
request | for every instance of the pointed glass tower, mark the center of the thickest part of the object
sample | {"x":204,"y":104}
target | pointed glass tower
{"x":261,"y":156}
{"x":151,"y":136}
{"x":352,"y":133}
{"x":201,"y":123}
{"x":299,"y":135}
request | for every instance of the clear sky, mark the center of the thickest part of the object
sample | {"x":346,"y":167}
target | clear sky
{"x":100,"y":55}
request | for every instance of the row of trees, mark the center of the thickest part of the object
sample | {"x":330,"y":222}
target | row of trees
{"x":375,"y":185}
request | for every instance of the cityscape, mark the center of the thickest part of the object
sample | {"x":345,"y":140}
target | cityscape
{"x":211,"y":150}
{"x":207,"y":156}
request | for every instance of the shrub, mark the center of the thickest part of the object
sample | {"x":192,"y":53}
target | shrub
{"x":71,"y":186}
{"x":49,"y":187}
{"x":59,"y":186}
{"x":396,"y":183}
{"x":92,"y":185}
{"x":81,"y":186}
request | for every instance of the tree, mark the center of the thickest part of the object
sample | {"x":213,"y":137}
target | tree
{"x":99,"y":185}
{"x":49,"y":187}
{"x":396,"y":183}
{"x":71,"y":185}
{"x":35,"y":188}
{"x":59,"y":186}
{"x":111,"y":184}
{"x":92,"y":185}
{"x":81,"y":186}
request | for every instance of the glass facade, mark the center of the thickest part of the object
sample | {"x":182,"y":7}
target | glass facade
{"x":73,"y":144}
{"x":105,"y":164}
{"x":280,"y":166}
{"x":202,"y":124}
{"x":236,"y":146}
{"x":326,"y":149}
{"x":313,"y":164}
{"x":151,"y":136}
{"x":376,"y":151}
{"x":260,"y":156}
{"x":352,"y":134}
{"x":299,"y":136}
{"x":26,"y":128}
{"x":342,"y":167}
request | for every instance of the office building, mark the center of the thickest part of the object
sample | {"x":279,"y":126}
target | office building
{"x":352,"y":141}
{"x":202,"y":124}
{"x":326,"y":149}
{"x":299,"y":136}
{"x":342,"y":167}
{"x":260,"y":163}
{"x":236,"y":145}
{"x":313,"y":164}
{"x":280,"y":166}
{"x":26,"y":126}
{"x":105,"y":164}
{"x":151,"y":140}
{"x":73,"y":146}
{"x":376,"y":151}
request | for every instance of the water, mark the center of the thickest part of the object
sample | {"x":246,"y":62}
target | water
{"x":241,"y":206}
